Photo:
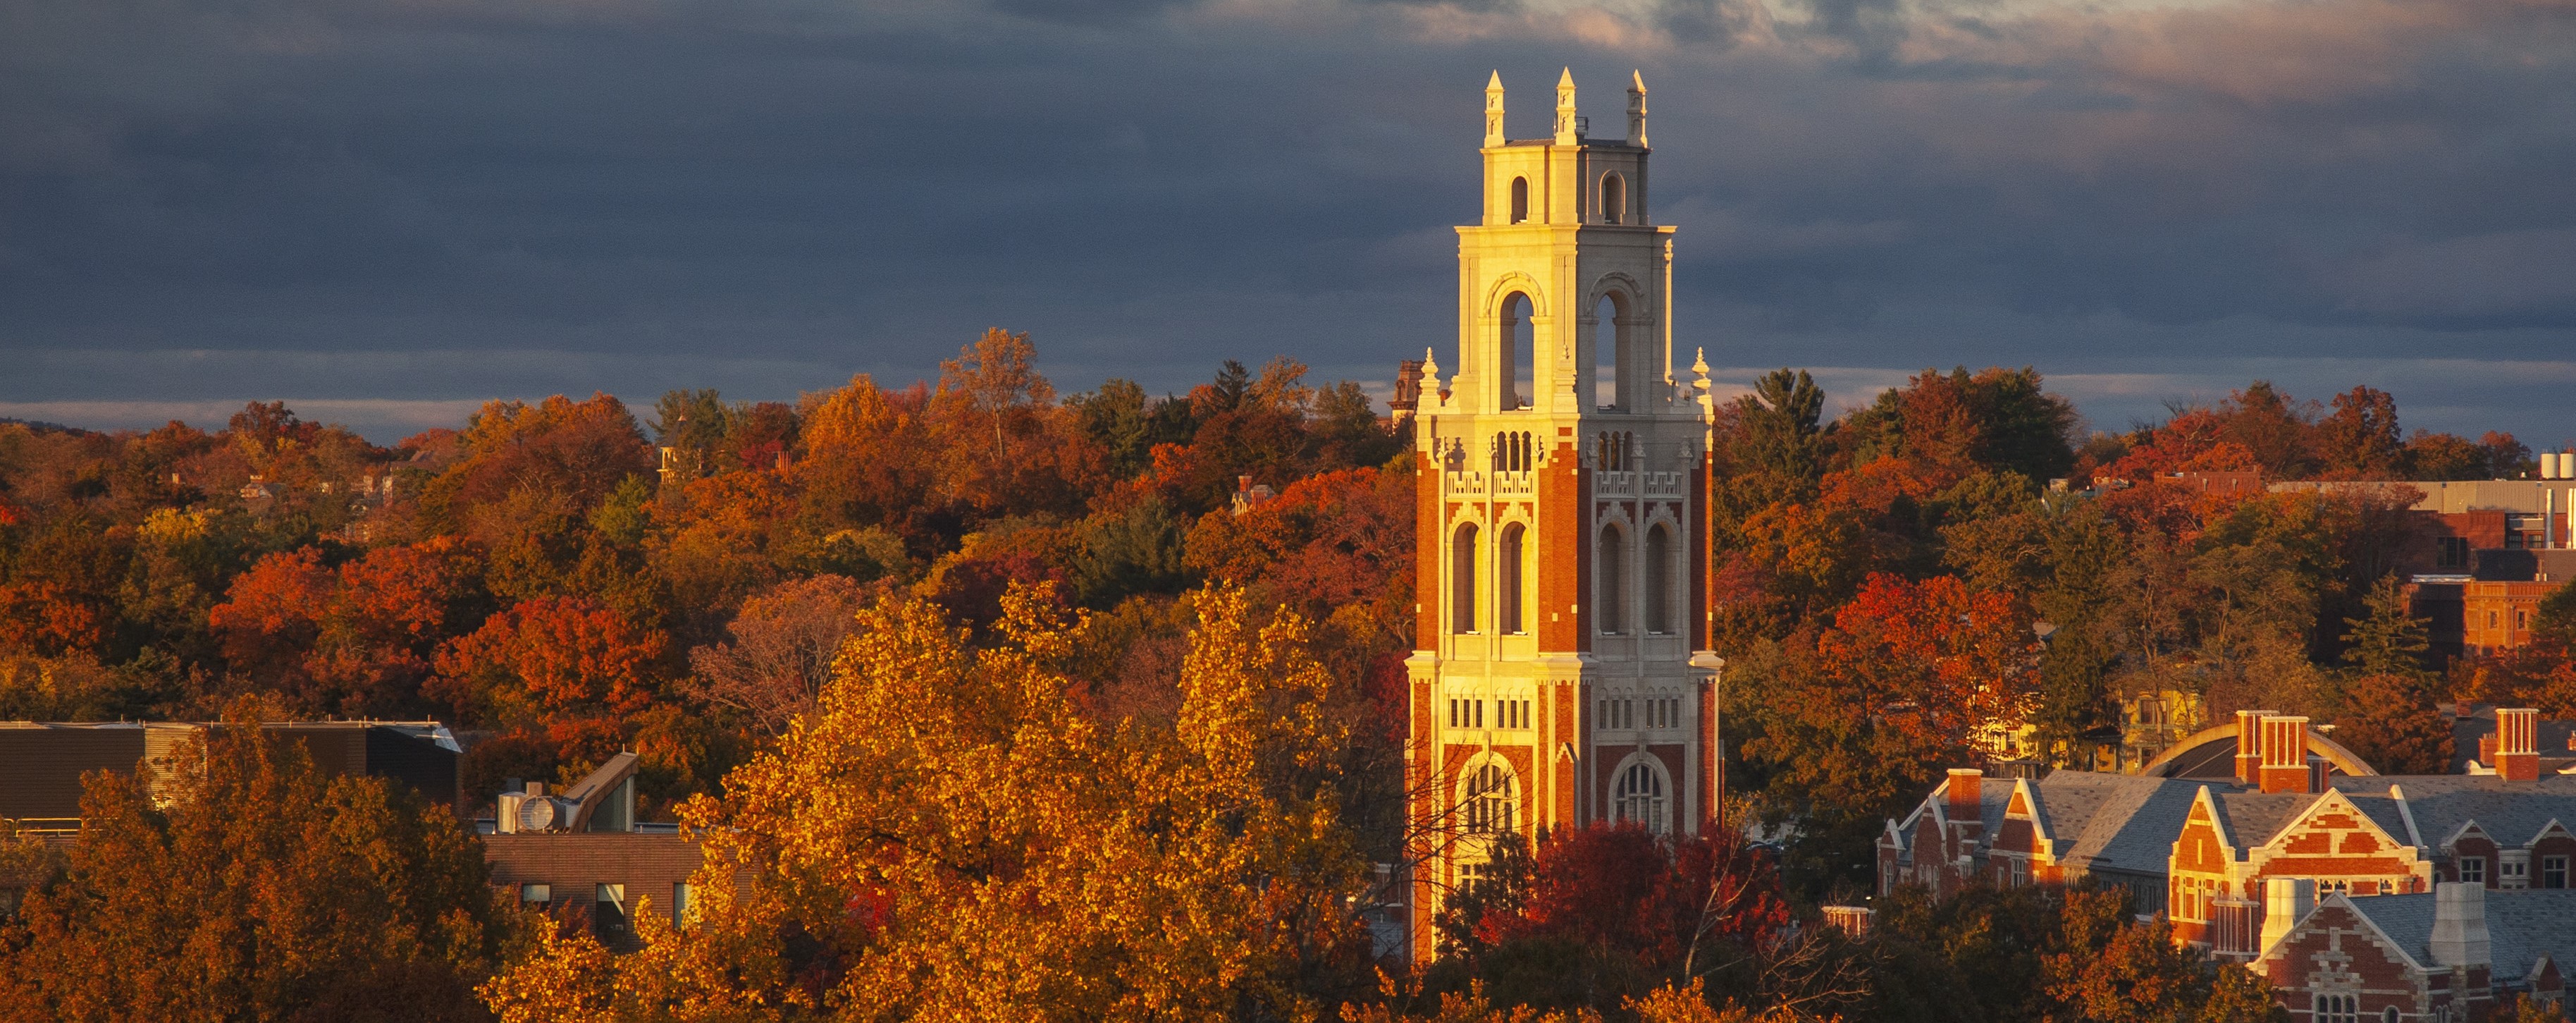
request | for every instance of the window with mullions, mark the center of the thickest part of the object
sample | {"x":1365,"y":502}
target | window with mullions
{"x":1493,"y":804}
{"x":2336,"y":1009}
{"x":1640,"y":797}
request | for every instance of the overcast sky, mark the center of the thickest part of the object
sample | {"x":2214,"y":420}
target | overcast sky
{"x":386,"y":212}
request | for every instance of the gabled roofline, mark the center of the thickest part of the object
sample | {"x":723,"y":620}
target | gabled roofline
{"x":2330,"y":794}
{"x":2404,"y":954}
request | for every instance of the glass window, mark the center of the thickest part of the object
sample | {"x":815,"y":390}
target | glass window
{"x":2553,"y":872}
{"x":681,"y":904}
{"x":1510,"y":604}
{"x":1492,"y":804}
{"x":1641,"y":797}
{"x":2473,"y":869}
{"x":537,"y":895}
{"x":608,"y":910}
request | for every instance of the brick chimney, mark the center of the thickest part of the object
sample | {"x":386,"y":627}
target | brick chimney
{"x":2517,"y":754}
{"x":2249,"y":727}
{"x":2286,"y":901}
{"x":2284,"y":749}
{"x":1963,"y":794}
{"x":2460,"y":925}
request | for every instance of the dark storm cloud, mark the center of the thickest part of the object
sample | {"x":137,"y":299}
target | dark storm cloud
{"x":398,"y":208}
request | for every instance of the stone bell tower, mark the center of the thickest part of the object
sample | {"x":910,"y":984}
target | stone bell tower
{"x":1560,"y":673}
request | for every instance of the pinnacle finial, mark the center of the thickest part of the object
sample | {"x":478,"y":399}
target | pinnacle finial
{"x":1568,"y":131}
{"x":1637,"y":109}
{"x":1494,"y":110}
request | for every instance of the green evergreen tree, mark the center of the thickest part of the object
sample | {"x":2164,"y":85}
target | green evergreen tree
{"x":2389,"y":641}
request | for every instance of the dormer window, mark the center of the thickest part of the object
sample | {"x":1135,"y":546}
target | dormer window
{"x":1520,"y":200}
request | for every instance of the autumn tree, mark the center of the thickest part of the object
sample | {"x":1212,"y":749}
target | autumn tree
{"x":950,"y":840}
{"x":2040,"y":953}
{"x":262,"y":891}
{"x":1851,"y":722}
{"x":2360,"y":440}
{"x":1591,"y":917}
{"x":555,"y":655}
{"x":784,"y":643}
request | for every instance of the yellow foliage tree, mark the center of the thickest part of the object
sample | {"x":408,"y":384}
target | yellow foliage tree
{"x":945,"y":837}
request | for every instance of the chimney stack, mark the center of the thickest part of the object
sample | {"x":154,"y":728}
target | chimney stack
{"x":1964,"y":795}
{"x":2249,"y":730}
{"x":2460,"y":925}
{"x":2286,"y":901}
{"x":2517,"y":756}
{"x":2285,"y":755}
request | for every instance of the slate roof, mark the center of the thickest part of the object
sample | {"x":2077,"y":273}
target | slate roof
{"x":2252,"y":818}
{"x":1994,"y":796}
{"x":2114,"y":821}
{"x":2521,"y":926}
{"x":2406,"y":919}
{"x":2512,"y":812}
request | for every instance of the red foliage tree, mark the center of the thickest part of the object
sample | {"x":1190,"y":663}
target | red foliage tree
{"x":554,"y":654}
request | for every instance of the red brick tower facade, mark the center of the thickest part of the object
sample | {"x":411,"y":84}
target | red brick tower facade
{"x":1560,"y":673}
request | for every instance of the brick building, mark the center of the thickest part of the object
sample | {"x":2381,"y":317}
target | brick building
{"x":580,"y":855}
{"x":2200,"y":850}
{"x":2450,"y":954}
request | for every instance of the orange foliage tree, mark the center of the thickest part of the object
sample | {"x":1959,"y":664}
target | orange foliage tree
{"x":952,"y":840}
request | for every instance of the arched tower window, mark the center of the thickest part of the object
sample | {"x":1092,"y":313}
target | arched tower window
{"x":1515,"y":349}
{"x":1520,"y":200}
{"x":1493,"y":801}
{"x":1639,"y":798}
{"x":1508,"y":609}
{"x":1659,"y":579}
{"x":1462,"y":580}
{"x":1612,"y":353}
{"x":1614,"y":199}
{"x":1614,"y":581}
